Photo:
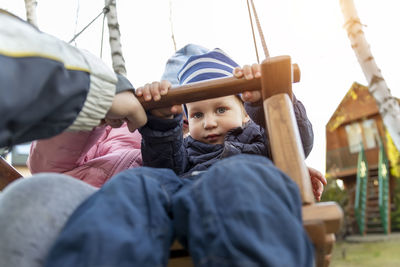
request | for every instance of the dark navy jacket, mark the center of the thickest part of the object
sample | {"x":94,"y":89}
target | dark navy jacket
{"x":164,"y":147}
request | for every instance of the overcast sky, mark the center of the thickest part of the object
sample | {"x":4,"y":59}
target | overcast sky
{"x":310,"y":31}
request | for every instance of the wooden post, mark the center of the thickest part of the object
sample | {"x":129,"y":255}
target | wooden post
{"x":286,"y":146}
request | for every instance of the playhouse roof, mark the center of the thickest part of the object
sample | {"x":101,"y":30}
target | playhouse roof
{"x":356,"y":104}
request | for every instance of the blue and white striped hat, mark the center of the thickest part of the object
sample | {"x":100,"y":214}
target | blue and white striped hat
{"x":176,"y":62}
{"x":211,"y":65}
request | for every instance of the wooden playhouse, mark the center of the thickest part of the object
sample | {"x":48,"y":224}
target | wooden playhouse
{"x":360,"y":152}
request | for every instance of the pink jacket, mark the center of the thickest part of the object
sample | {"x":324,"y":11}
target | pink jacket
{"x":93,"y":157}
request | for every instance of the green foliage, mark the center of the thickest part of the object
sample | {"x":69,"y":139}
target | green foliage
{"x":395,"y":216}
{"x":393,"y":156}
{"x":332,"y":192}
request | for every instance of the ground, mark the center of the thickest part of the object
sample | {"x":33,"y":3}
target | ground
{"x":368,"y":251}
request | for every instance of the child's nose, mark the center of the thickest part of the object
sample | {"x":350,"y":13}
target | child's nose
{"x":209,"y":121}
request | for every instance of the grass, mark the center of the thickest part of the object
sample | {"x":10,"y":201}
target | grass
{"x":372,"y":254}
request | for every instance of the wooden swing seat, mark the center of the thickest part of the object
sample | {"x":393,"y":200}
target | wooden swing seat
{"x":321,"y":220}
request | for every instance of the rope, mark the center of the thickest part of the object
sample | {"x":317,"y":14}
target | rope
{"x":252,"y":30}
{"x":76,"y":18}
{"x":170,"y":22}
{"x":105,"y":10}
{"x":264,"y":45}
{"x":102,"y":36}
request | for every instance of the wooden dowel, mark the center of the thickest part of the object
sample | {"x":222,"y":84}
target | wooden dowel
{"x":209,"y":89}
{"x":277,"y":76}
{"x":286,"y":147}
{"x":7,"y":173}
{"x":202,"y":90}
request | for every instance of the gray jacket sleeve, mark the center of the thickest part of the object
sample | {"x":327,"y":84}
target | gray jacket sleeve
{"x":46,"y":85}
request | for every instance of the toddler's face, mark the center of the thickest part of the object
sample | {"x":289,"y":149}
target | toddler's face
{"x":210,"y":120}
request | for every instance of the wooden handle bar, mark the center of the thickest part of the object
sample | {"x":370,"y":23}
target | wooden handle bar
{"x":285,"y":141}
{"x":7,"y":173}
{"x":209,"y":89}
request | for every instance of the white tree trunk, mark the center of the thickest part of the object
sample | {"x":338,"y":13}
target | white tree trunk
{"x":388,"y":106}
{"x":115,"y":38}
{"x":30,"y":6}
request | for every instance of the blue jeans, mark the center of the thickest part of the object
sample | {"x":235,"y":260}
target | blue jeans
{"x":243,"y":211}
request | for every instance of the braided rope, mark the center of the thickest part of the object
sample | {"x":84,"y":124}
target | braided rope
{"x":105,"y":10}
{"x":172,"y":26}
{"x":264,"y":45}
{"x":252,"y":31}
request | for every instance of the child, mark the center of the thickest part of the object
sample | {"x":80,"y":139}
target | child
{"x":208,"y":143}
{"x":240,"y":212}
{"x":91,"y":156}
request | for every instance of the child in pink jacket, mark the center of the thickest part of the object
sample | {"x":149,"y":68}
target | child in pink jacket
{"x":93,"y":157}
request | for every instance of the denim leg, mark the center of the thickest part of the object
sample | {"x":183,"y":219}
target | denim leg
{"x":125,"y":223}
{"x":242,"y":212}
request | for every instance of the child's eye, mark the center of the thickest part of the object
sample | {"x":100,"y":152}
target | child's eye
{"x":221,"y":110}
{"x":197,"y":115}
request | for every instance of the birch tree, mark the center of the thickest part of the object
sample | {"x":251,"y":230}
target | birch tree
{"x":30,"y":6}
{"x":118,"y":60}
{"x":388,"y":106}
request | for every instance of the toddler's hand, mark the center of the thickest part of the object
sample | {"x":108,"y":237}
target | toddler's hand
{"x":318,"y":181}
{"x":126,"y":108}
{"x":249,"y":73}
{"x":154,"y":91}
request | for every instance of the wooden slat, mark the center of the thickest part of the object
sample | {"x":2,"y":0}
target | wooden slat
{"x":330,"y":240}
{"x":285,"y":142}
{"x":180,"y":262}
{"x":327,"y":260}
{"x":208,"y":89}
{"x":316,"y":231}
{"x":176,"y":246}
{"x":7,"y":173}
{"x":286,"y":147}
{"x":329,"y":212}
{"x":277,"y":76}
{"x":202,"y":90}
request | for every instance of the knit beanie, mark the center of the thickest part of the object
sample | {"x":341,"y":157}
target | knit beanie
{"x":209,"y":65}
{"x":175,"y":63}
